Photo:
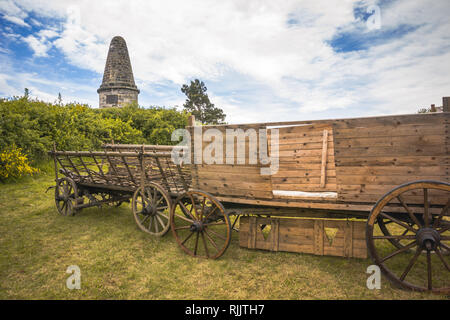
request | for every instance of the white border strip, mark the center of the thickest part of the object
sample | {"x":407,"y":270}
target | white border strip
{"x":302,"y":194}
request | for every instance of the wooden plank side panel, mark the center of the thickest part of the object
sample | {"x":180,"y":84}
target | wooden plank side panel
{"x":374,"y":157}
{"x":306,"y":160}
{"x":305,"y":236}
{"x":235,"y":176}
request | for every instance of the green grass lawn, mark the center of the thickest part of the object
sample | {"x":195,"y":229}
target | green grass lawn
{"x":118,"y":261}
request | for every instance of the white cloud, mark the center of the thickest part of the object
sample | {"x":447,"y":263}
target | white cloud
{"x":16,"y":20}
{"x":42,"y":42}
{"x":40,"y":47}
{"x":293,"y":70}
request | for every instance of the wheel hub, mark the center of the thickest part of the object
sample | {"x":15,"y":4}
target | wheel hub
{"x":150,"y":210}
{"x":428,"y":238}
{"x":197,"y":226}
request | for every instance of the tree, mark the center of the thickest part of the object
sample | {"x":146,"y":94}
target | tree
{"x":198,"y":104}
{"x":26,"y":93}
{"x":59,"y":98}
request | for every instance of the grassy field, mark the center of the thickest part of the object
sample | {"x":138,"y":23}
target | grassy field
{"x":118,"y":261}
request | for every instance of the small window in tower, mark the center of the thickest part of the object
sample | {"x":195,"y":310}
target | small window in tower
{"x":112,"y":99}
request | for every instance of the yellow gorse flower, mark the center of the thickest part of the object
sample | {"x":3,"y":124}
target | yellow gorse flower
{"x":14,"y":164}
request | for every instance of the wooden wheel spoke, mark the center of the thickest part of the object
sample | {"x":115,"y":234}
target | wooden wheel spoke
{"x":196,"y":244}
{"x":438,"y":220}
{"x":410,"y":213}
{"x":211,"y":240}
{"x":182,"y":227}
{"x":148,"y":194}
{"x":444,"y":229}
{"x":158,"y":201}
{"x":430,"y":285}
{"x":162,"y":214}
{"x":393,"y":254}
{"x":144,"y":198}
{"x":439,"y":254}
{"x":203,"y":207}
{"x":145,"y":219}
{"x":194,"y":207}
{"x":204,"y":244}
{"x":184,"y":218}
{"x":215,"y":224}
{"x":186,"y":211}
{"x":187,"y":238}
{"x":210,"y":213}
{"x":160,"y":221}
{"x":217,"y":235}
{"x":426,"y":218}
{"x":150,"y":223}
{"x":404,"y":225}
{"x":443,"y":245}
{"x":411,"y":263}
{"x":156,"y":224}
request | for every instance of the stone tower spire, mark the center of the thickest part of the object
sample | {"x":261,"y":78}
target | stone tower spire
{"x":118,"y":87}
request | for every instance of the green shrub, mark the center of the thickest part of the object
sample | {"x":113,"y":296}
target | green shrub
{"x":34,"y":126}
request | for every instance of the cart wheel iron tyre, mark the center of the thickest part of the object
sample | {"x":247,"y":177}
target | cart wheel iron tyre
{"x":66,"y":196}
{"x":200,"y":225}
{"x":151,"y":207}
{"x":419,"y":236}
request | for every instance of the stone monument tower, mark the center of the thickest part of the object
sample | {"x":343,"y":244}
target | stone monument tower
{"x":118,"y":87}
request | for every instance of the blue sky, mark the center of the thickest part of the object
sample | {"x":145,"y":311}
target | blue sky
{"x":261,"y":60}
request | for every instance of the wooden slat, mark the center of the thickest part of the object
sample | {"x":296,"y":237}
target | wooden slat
{"x":371,"y":131}
{"x":418,"y":170}
{"x":380,"y":120}
{"x":318,"y":237}
{"x":323,"y":171}
{"x":430,"y":160}
{"x":406,"y":149}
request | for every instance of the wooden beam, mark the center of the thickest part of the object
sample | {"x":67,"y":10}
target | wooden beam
{"x":323,"y":169}
{"x":404,"y":118}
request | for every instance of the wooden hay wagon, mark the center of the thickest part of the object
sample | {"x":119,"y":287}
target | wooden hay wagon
{"x":341,"y":187}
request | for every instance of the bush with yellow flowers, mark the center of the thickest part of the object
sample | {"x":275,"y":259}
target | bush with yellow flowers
{"x":14,"y":164}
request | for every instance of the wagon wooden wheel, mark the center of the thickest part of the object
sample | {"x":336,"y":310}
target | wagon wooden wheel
{"x":151,"y":208}
{"x":66,"y":196}
{"x":413,"y":253}
{"x":200,"y":225}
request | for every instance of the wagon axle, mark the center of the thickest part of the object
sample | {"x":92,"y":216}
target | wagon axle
{"x":197,"y":226}
{"x":428,"y":238}
{"x":150,"y":210}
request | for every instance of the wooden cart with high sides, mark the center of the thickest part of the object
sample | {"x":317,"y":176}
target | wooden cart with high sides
{"x":345,"y":187}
